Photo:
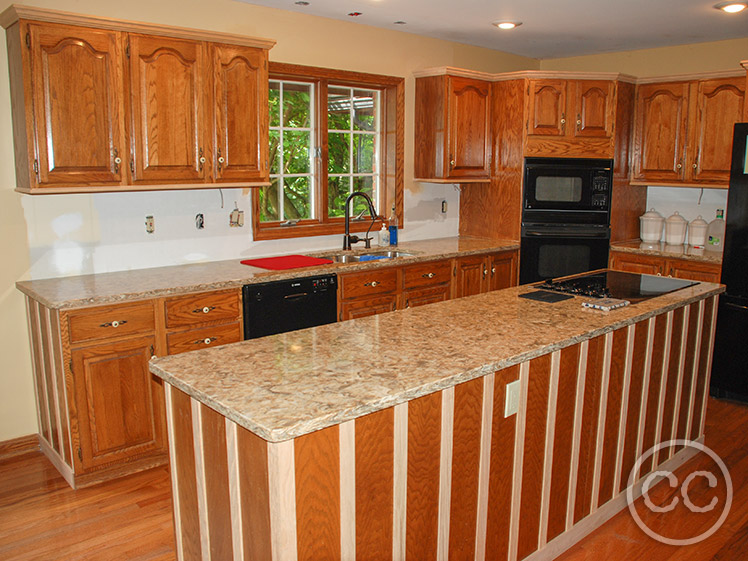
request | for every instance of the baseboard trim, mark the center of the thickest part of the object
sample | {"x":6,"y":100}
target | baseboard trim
{"x":18,"y":446}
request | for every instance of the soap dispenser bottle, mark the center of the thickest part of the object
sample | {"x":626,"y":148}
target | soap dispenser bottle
{"x":384,"y":236}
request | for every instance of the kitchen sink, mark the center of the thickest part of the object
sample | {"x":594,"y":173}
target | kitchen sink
{"x":369,"y":256}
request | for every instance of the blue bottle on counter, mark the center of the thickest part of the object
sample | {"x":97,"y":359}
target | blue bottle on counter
{"x":393,"y":226}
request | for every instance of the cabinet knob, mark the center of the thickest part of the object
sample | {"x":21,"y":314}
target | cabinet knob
{"x":451,"y":163}
{"x":206,"y":341}
{"x":678,"y":166}
{"x":220,"y":159}
{"x":115,"y":323}
{"x":563,"y":118}
{"x":372,"y":283}
{"x":485,"y":272}
{"x":579,"y":121}
{"x":493,"y":271}
{"x":428,"y":275}
{"x":695,"y":165}
{"x":203,"y":310}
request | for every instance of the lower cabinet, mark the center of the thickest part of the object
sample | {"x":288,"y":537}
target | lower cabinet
{"x":665,"y":266}
{"x":477,"y":274}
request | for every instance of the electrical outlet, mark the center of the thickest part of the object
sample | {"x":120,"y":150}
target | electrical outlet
{"x":199,"y":221}
{"x":149,"y":224}
{"x":444,"y":206}
{"x":511,"y":402}
{"x":236,"y":218}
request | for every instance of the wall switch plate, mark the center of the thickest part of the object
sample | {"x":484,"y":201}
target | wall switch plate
{"x":236,"y":218}
{"x":444,"y":206}
{"x":511,"y":401}
{"x":150,"y":227}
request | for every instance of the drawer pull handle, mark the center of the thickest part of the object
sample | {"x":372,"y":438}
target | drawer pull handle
{"x":203,"y":310}
{"x":428,"y":275}
{"x":206,"y":341}
{"x":372,"y":284}
{"x":113,"y":323}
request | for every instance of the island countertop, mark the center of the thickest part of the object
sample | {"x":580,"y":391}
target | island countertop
{"x":287,"y":385}
{"x":139,"y":284}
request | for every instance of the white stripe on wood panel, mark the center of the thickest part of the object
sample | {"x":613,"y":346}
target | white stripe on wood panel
{"x":576,"y":437}
{"x":663,"y":386}
{"x":709,"y":364}
{"x":400,"y":482}
{"x":601,"y":418}
{"x":445,"y":473}
{"x":484,"y":467}
{"x":681,"y":371}
{"x":202,"y":492}
{"x":173,"y":465}
{"x":645,"y":393}
{"x":695,"y":370}
{"x":550,"y":433}
{"x":628,"y":365}
{"x":235,"y":491}
{"x":282,"y":487}
{"x":34,"y":366}
{"x":519,"y":449}
{"x":347,"y":438}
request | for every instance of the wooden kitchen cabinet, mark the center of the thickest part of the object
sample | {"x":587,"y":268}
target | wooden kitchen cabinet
{"x":106,"y":106}
{"x":426,"y":283}
{"x":367,"y":293}
{"x":452,"y":129}
{"x":671,"y":267}
{"x":481,"y":273}
{"x":683,"y":131}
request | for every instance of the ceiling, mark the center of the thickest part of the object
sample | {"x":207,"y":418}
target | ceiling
{"x":550,"y":28}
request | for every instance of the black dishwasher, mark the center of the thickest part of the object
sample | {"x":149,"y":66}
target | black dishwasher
{"x":287,"y":305}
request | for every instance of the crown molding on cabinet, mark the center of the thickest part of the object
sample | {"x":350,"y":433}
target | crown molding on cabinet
{"x":17,"y":12}
{"x":563,"y":75}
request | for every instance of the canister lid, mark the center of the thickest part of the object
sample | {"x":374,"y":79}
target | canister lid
{"x":651,"y":213}
{"x":675,"y":218}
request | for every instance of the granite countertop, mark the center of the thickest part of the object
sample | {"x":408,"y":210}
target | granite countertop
{"x":283,"y":386}
{"x":139,"y":284}
{"x":661,"y":249}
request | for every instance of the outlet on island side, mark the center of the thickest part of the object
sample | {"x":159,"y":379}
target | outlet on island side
{"x":511,"y":401}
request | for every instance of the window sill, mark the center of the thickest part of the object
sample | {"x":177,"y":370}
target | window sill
{"x":308,"y":229}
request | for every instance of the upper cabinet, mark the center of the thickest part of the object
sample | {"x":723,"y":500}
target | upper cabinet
{"x":116,"y":109}
{"x":683,"y":131}
{"x":452,"y":129}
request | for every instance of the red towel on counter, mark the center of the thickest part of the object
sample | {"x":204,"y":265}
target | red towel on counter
{"x":286,"y":262}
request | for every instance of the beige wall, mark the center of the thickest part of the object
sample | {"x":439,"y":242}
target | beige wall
{"x":301,"y":39}
{"x":682,"y":59}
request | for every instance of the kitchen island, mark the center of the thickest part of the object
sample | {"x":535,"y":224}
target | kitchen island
{"x":489,"y":427}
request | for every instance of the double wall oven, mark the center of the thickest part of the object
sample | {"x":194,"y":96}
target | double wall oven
{"x":565,"y":217}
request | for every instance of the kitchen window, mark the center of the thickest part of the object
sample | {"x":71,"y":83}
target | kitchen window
{"x":332,"y":132}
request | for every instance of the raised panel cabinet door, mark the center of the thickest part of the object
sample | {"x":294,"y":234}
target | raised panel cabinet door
{"x":168,"y":99}
{"x":594,"y":108}
{"x":363,"y":307}
{"x":468,"y":106}
{"x":692,"y":270}
{"x":502,"y":270}
{"x":77,"y":90}
{"x":636,"y":263}
{"x":114,"y":401}
{"x":546,"y":102}
{"x":423,"y":296}
{"x":660,"y":132}
{"x":719,"y":105}
{"x":471,"y":276}
{"x":241,"y":113}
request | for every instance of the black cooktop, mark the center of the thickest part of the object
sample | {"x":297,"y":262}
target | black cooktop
{"x":616,"y":284}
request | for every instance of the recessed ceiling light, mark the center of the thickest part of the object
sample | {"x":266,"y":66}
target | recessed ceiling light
{"x":507,"y":24}
{"x":731,"y":7}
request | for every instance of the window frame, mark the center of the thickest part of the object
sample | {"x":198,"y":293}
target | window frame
{"x":392,"y":103}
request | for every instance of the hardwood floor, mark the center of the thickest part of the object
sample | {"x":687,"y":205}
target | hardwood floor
{"x":41,"y":518}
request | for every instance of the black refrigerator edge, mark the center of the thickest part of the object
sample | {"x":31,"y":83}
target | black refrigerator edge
{"x":730,"y":360}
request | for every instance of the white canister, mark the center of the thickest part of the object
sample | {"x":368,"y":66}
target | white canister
{"x":675,"y":229}
{"x":650,"y":226}
{"x":697,"y":232}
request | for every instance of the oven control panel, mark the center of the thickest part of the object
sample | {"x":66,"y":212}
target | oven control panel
{"x":600,"y":183}
{"x":600,"y":200}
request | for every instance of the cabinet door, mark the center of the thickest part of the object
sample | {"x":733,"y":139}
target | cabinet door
{"x":168,"y":100}
{"x":631,"y":263}
{"x":660,"y":132}
{"x":502,"y":270}
{"x":363,"y":307}
{"x":546,"y":108}
{"x":471,"y":276}
{"x":423,"y":296}
{"x":594,"y":108}
{"x":693,"y":270}
{"x":240,"y":79}
{"x":77,"y":91}
{"x":114,"y":401}
{"x":718,"y":106}
{"x":468,"y":140}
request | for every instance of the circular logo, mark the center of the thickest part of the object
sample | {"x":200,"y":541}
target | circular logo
{"x":710,"y":479}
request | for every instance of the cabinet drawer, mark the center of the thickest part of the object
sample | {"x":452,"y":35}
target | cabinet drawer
{"x":194,"y":309}
{"x":107,"y":322}
{"x":204,"y":337}
{"x":368,"y":283}
{"x":364,"y":307}
{"x":427,"y":274}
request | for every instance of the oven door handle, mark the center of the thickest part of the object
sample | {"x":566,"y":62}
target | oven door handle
{"x":564,"y":233}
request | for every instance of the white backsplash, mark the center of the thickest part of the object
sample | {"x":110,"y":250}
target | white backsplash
{"x":104,"y":232}
{"x":688,"y":201}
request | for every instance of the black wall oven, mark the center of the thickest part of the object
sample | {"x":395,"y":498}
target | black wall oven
{"x":565,"y":217}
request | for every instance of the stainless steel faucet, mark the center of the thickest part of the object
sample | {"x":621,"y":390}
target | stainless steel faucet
{"x":349,"y":239}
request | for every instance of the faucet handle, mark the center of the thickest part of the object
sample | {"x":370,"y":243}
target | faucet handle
{"x":367,"y":241}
